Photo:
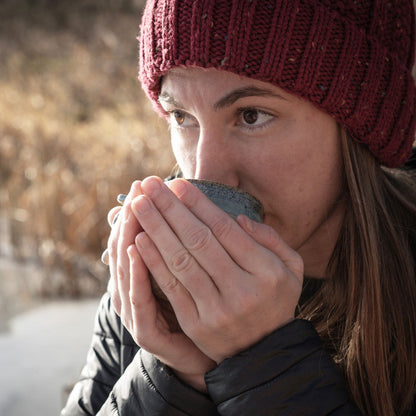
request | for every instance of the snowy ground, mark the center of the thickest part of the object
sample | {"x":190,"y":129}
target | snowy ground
{"x":41,"y":355}
{"x":43,"y":345}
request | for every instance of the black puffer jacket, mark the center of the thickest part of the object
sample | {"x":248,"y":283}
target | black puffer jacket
{"x":288,"y":373}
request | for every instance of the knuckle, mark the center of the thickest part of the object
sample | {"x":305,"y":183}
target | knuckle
{"x":222,"y":226}
{"x":220,"y":320}
{"x":248,"y":301}
{"x":199,"y":239}
{"x":276,"y":286}
{"x":271,"y":275}
{"x":164,"y":201}
{"x":169,"y":286}
{"x":120,"y":272}
{"x":273,"y":237}
{"x":133,"y":300}
{"x":181,"y":261}
{"x":281,"y":281}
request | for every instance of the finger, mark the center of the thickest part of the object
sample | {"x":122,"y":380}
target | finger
{"x":111,"y":218}
{"x":128,"y":229}
{"x":176,"y":293}
{"x":145,"y":324}
{"x":269,"y":238}
{"x":179,"y":236}
{"x":113,"y":261}
{"x":113,"y":215}
{"x":140,"y":296}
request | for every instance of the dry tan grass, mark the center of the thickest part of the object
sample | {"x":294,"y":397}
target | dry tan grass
{"x":75,"y":130}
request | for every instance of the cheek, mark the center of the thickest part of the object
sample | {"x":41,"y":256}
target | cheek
{"x":319,"y":183}
{"x":302,"y":186}
{"x":184,"y":155}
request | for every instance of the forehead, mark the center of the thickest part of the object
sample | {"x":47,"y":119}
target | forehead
{"x":183,"y":80}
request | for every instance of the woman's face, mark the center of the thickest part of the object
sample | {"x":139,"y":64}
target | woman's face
{"x":265,"y":141}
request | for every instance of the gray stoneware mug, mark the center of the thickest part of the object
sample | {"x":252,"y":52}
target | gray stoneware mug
{"x":232,"y":200}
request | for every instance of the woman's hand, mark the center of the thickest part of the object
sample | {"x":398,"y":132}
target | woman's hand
{"x":140,"y":312}
{"x":230,"y":283}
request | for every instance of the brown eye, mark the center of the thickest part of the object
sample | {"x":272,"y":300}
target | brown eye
{"x":250,"y":116}
{"x":179,"y":117}
{"x":253,"y":118}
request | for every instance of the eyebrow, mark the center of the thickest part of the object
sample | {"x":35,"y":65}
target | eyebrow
{"x":235,"y":95}
{"x":168,"y":99}
{"x":228,"y":99}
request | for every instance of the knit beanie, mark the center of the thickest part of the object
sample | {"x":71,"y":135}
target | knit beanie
{"x":352,"y":59}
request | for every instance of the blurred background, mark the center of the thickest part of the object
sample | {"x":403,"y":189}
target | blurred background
{"x":75,"y":131}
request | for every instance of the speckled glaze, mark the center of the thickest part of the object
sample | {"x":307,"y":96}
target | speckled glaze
{"x":232,"y":200}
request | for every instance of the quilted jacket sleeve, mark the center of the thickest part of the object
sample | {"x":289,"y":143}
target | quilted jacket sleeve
{"x":148,"y":388}
{"x":103,"y":365}
{"x":121,"y":379}
{"x":288,"y":373}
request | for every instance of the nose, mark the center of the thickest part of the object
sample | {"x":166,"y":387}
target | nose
{"x":216,"y":158}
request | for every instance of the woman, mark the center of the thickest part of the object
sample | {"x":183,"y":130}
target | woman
{"x":309,"y":106}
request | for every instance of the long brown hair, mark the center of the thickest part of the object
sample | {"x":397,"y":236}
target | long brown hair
{"x":366,"y":310}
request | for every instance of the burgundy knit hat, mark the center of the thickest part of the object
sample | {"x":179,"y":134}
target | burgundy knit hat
{"x":352,"y":59}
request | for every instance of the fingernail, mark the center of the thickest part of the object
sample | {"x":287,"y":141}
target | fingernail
{"x":142,"y":240}
{"x":130,"y":252}
{"x":141,"y":205}
{"x":135,"y":186}
{"x":151,"y":186}
{"x":247,"y":224}
{"x":104,"y":257}
{"x":179,"y":188}
{"x":120,"y":273}
{"x":121,"y":198}
{"x":116,"y":218}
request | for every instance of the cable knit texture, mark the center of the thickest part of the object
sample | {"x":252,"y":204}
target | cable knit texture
{"x":352,"y":59}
